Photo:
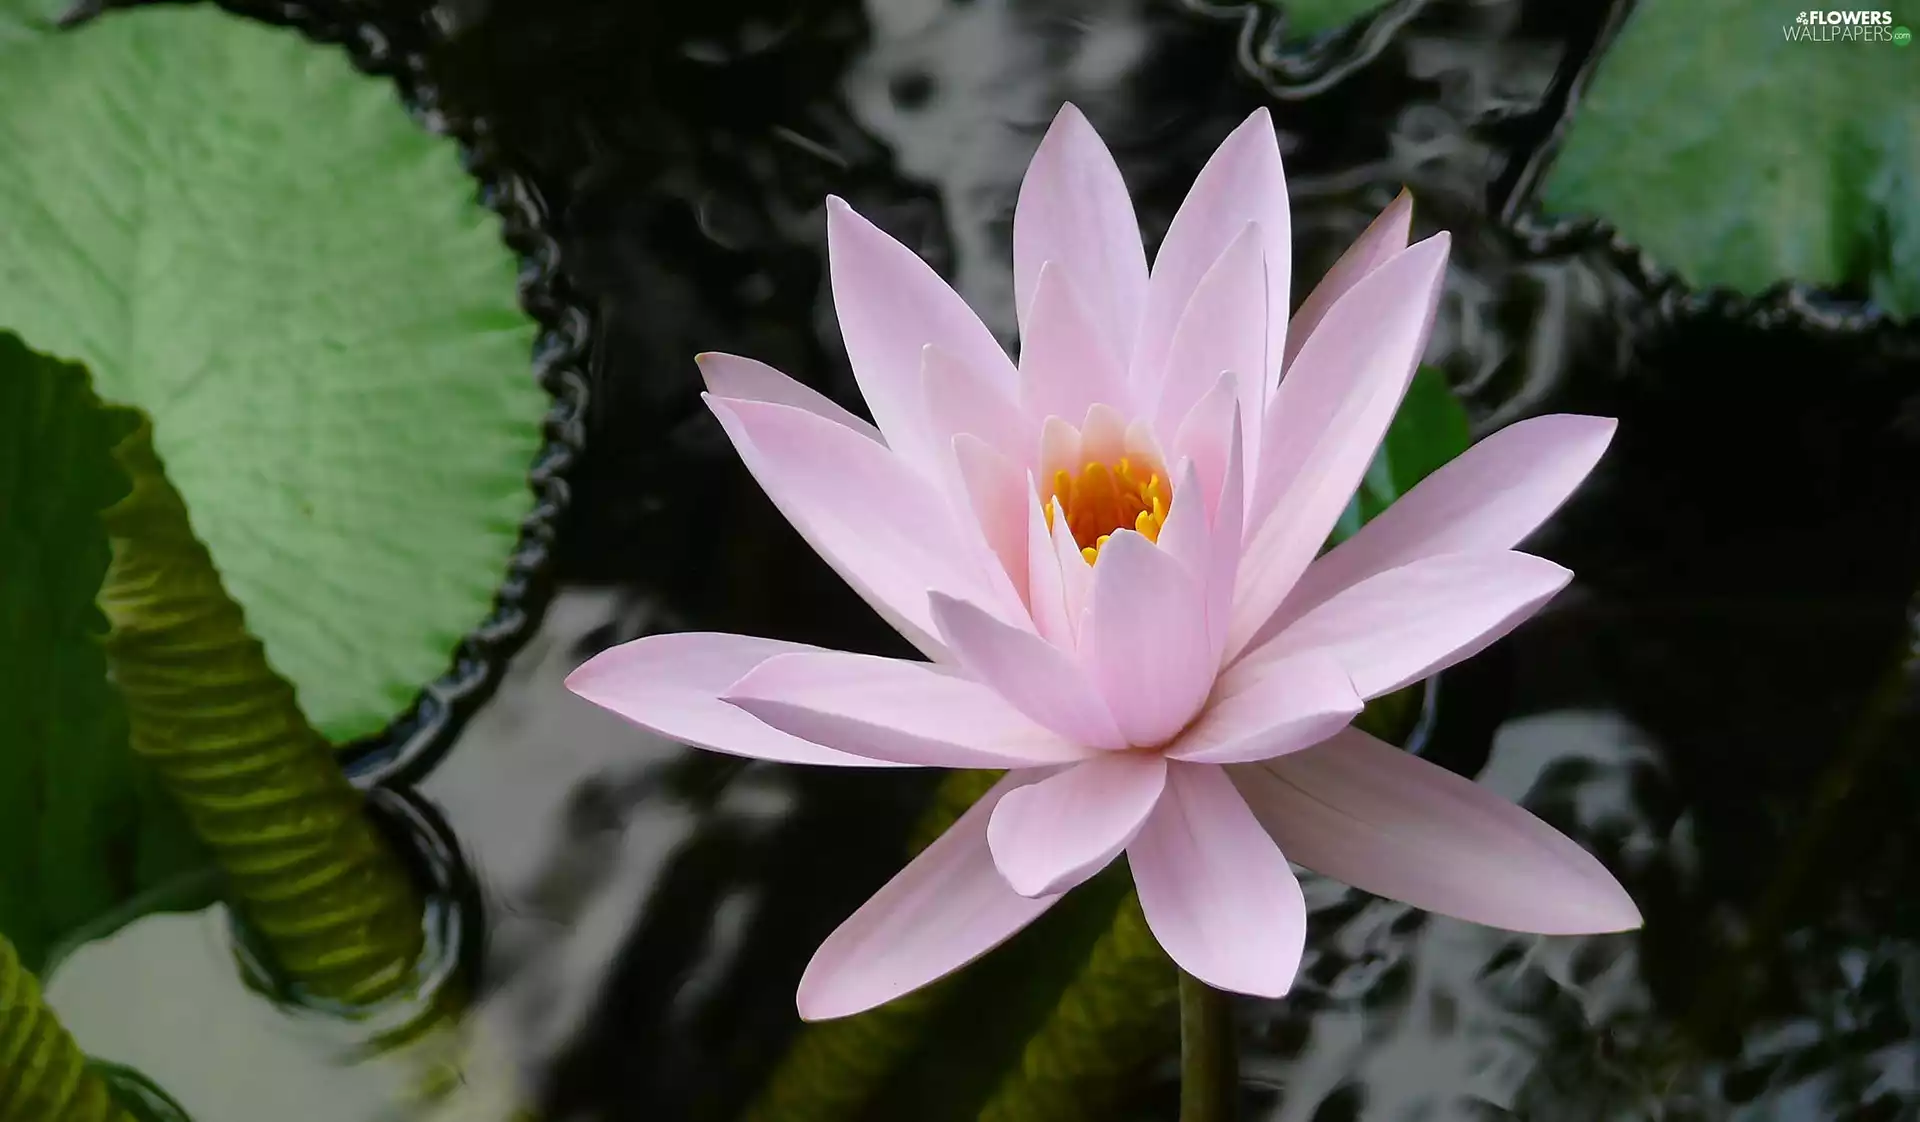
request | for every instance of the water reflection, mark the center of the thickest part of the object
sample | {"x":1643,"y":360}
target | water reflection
{"x":1691,"y":710}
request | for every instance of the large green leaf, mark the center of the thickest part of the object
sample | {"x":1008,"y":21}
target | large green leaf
{"x":1740,"y":157}
{"x":253,"y":243}
{"x":83,"y":828}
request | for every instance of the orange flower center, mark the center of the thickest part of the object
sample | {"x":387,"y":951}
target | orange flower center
{"x":1101,"y":499}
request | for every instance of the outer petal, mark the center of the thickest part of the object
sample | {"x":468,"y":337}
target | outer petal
{"x":1031,"y":674}
{"x":1327,"y":419}
{"x":1224,"y":329}
{"x":889,"y":709}
{"x":1066,"y":367}
{"x":891,"y":305}
{"x":1147,"y":639}
{"x":1393,"y":824}
{"x":1410,"y":622}
{"x":1384,"y":237}
{"x":1051,"y":836}
{"x":743,"y":378}
{"x":1074,"y":211}
{"x":1241,"y":183}
{"x":670,"y":685}
{"x":945,"y":909}
{"x":1271,"y":709}
{"x":1216,"y":890}
{"x":884,"y":529}
{"x":1490,"y":498}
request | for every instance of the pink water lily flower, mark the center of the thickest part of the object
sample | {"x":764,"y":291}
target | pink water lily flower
{"x":1110,"y":554}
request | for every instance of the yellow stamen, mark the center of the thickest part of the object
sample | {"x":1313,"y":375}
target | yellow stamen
{"x":1104,"y":498}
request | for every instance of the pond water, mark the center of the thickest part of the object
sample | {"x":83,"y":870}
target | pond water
{"x":1722,"y":706}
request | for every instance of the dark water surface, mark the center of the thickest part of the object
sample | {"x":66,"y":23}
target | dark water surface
{"x":1722,"y":705}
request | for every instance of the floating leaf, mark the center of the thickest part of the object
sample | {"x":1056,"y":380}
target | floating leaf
{"x":1740,"y":150}
{"x":253,"y":243}
{"x":83,"y":828}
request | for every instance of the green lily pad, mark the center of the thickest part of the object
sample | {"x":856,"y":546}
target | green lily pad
{"x":83,"y":826}
{"x":1311,"y":17}
{"x":253,"y":243}
{"x":1740,"y":157}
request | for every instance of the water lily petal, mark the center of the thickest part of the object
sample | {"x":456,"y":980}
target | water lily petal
{"x":748,"y":380}
{"x":1206,"y":437}
{"x":1269,"y":709}
{"x":891,"y":305}
{"x":891,"y":709}
{"x":670,"y":685}
{"x":1046,"y":585}
{"x":1217,"y":893}
{"x":1050,"y":836}
{"x":1416,"y":620}
{"x":1074,"y":210}
{"x":958,"y":400}
{"x":1224,"y":328}
{"x":1327,"y":419}
{"x":1076,"y":576}
{"x":945,"y":909}
{"x":997,"y":498}
{"x":1489,"y":498}
{"x":1384,"y":237}
{"x":1146,"y":639}
{"x":1187,"y":535}
{"x":887,"y":531}
{"x":1241,"y":183}
{"x":1065,"y":366}
{"x":1031,"y":674}
{"x":1390,"y":823}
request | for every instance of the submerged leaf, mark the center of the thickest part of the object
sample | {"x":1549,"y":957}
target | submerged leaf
{"x":250,"y":241}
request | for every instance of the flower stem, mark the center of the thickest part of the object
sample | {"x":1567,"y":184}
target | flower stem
{"x":1209,"y":1067}
{"x":325,"y":891}
{"x":44,"y":1077}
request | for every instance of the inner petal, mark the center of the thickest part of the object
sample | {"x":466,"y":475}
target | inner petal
{"x":1103,"y":497}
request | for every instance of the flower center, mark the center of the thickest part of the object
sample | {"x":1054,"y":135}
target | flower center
{"x":1101,"y":499}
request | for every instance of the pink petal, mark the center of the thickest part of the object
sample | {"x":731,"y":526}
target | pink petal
{"x":1414,"y":621}
{"x":958,"y":400}
{"x":1217,"y":893}
{"x":891,"y":305}
{"x":1490,"y":498}
{"x":1270,"y":709}
{"x":1146,"y":639}
{"x":1229,"y":522}
{"x":1395,"y":825}
{"x":1187,"y":536}
{"x":997,"y":497}
{"x":670,"y":685}
{"x":1384,"y":237}
{"x":1065,"y":365}
{"x":1206,"y":436}
{"x":1241,"y":183}
{"x":1031,"y":674}
{"x":1326,"y":420}
{"x":884,"y":529}
{"x":1103,"y":435}
{"x":1076,"y":576}
{"x":945,"y":909}
{"x":1047,"y":594}
{"x":1224,"y":329}
{"x":1051,"y":836}
{"x":890,"y":709}
{"x":1073,"y":210}
{"x":743,"y":378}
